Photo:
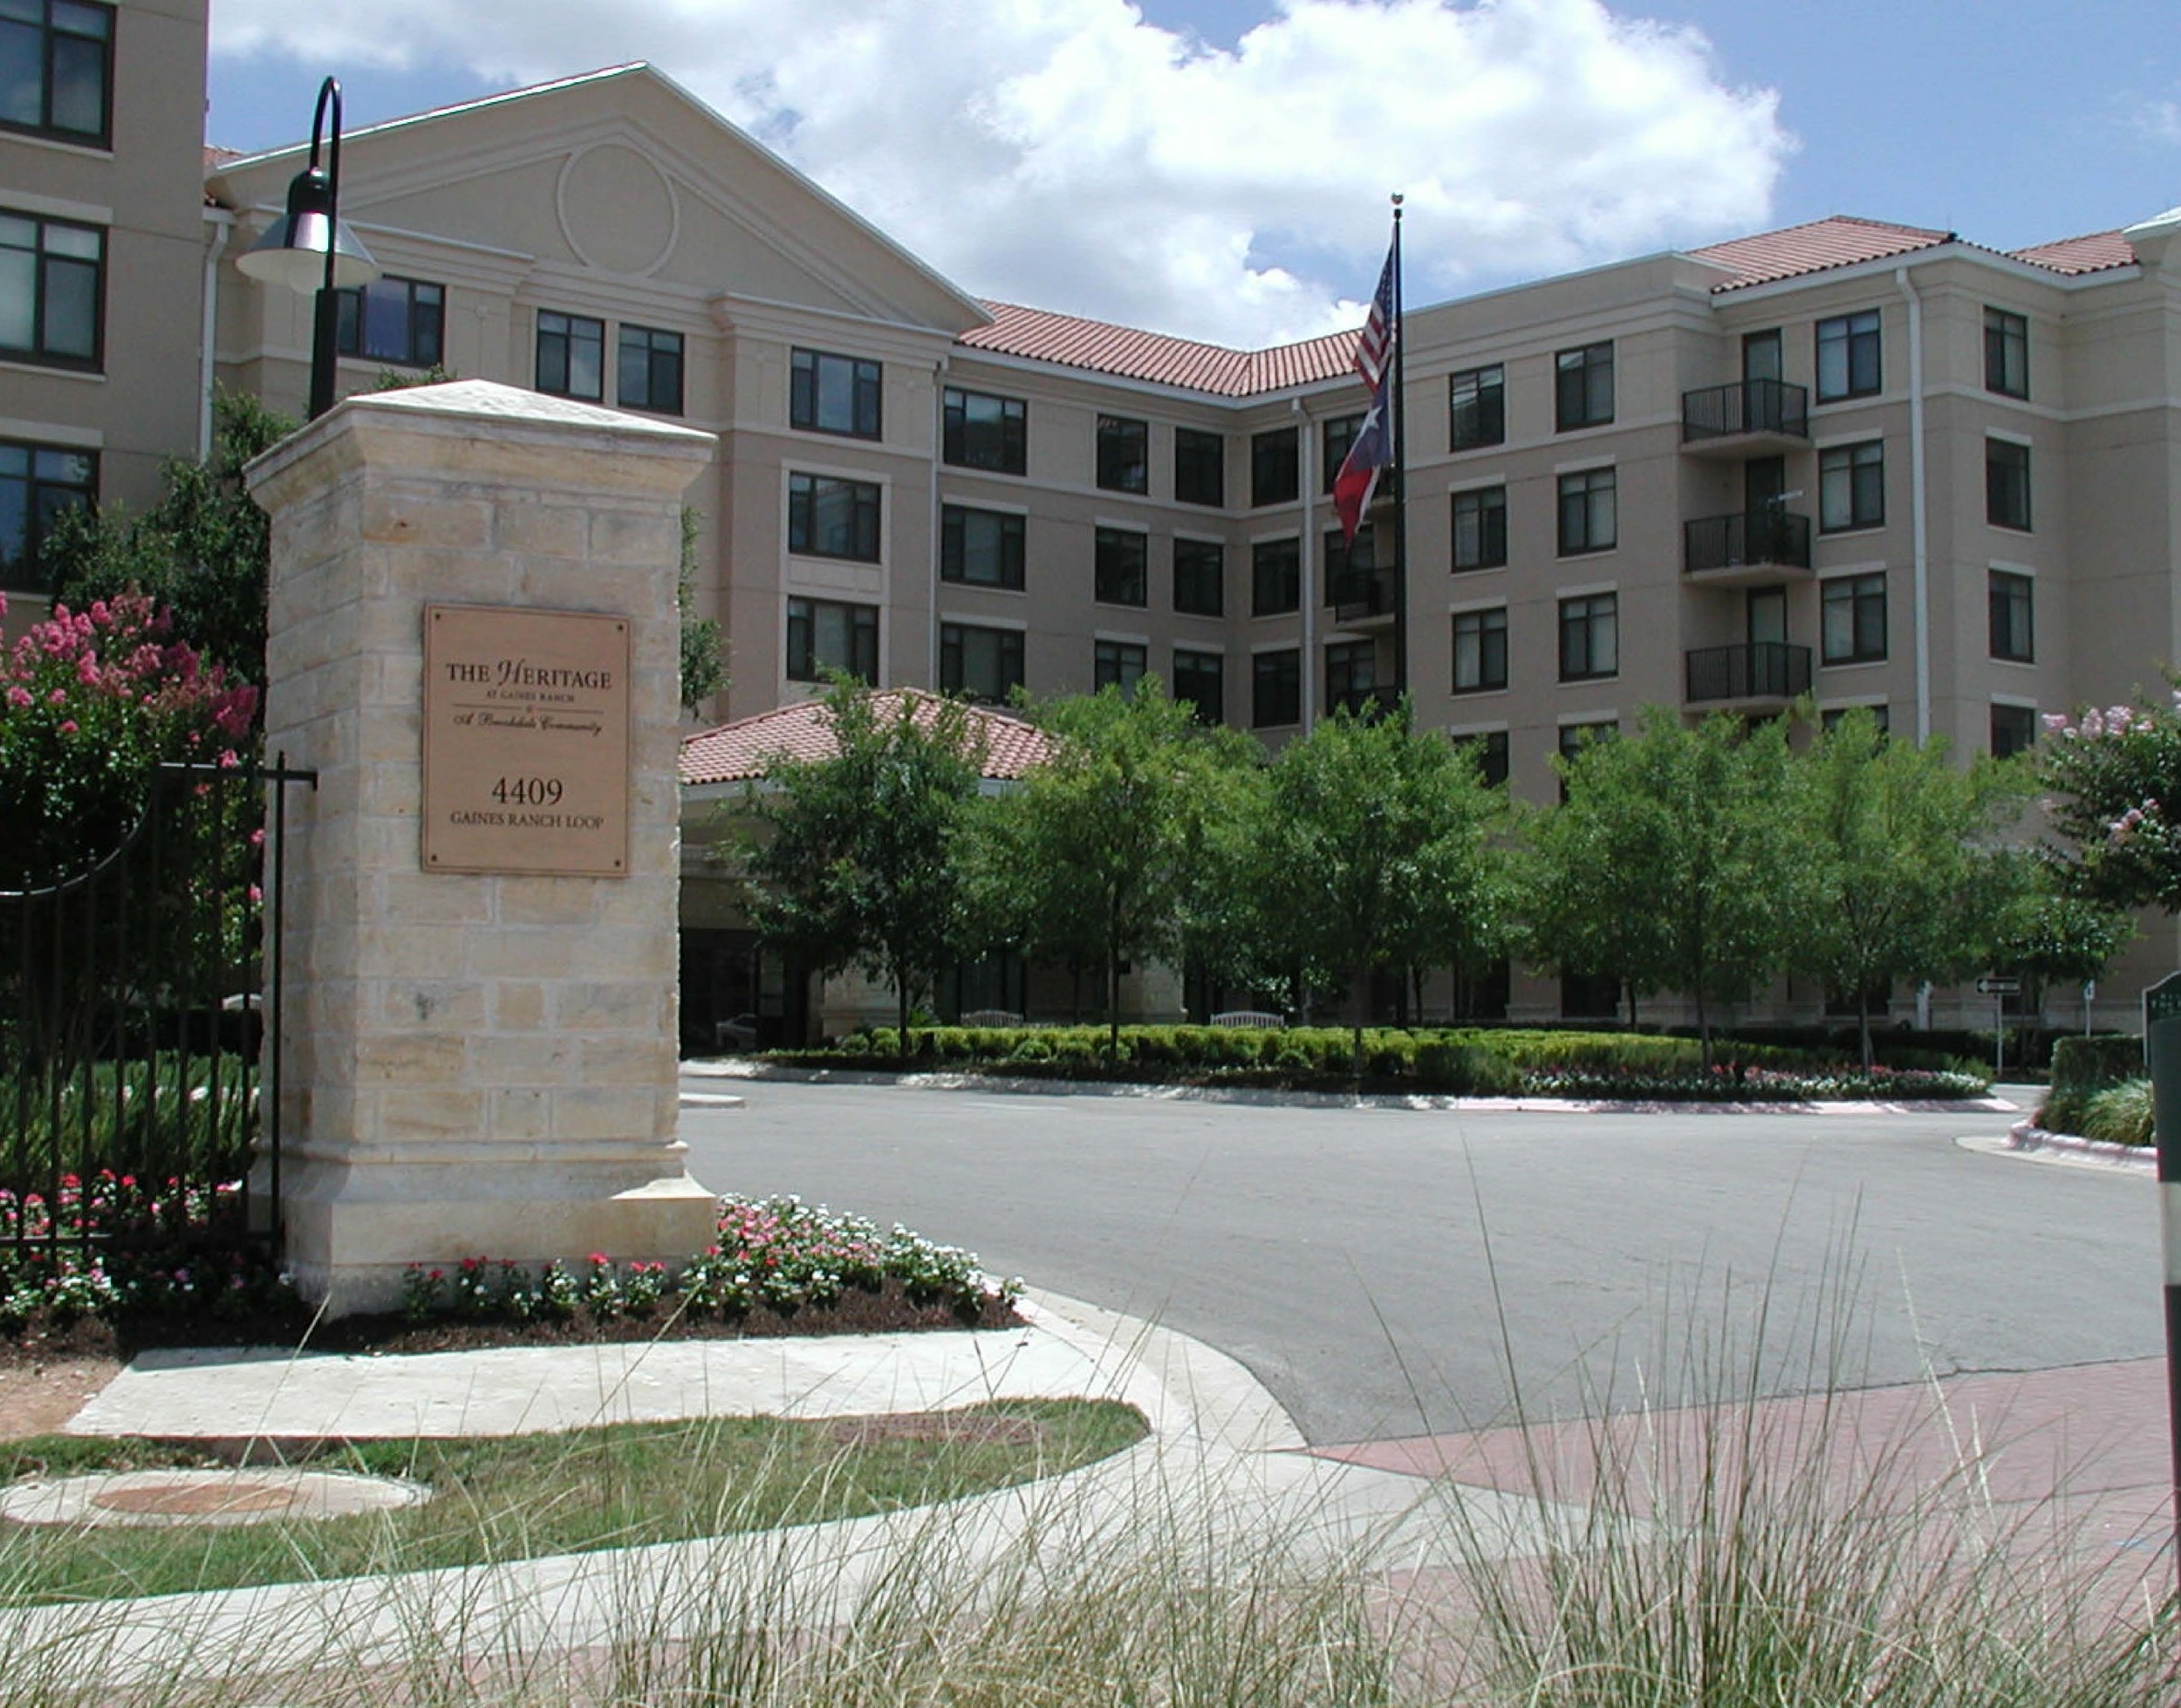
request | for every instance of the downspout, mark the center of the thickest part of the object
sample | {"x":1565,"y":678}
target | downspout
{"x":1307,"y":555}
{"x":1917,"y":519}
{"x":222,"y":224}
{"x":935,"y":541}
{"x":1918,"y":524}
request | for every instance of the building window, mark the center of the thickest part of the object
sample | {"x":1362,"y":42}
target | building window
{"x":1491,"y":751}
{"x":2014,"y":635}
{"x":52,"y":284}
{"x":1589,"y":637}
{"x":1851,"y":486}
{"x":2006,"y":354}
{"x":980,"y":547}
{"x":570,"y":355}
{"x":1847,"y":356}
{"x":828,"y":394}
{"x":1852,"y":619}
{"x":1477,"y":399}
{"x":1351,"y":671}
{"x":1276,"y":689}
{"x":982,"y":431}
{"x":825,"y":635}
{"x":2014,"y":729}
{"x":1117,"y":664}
{"x":38,"y":483}
{"x":1124,"y":455}
{"x":1199,"y":468}
{"x":1338,"y":434}
{"x":1122,"y":573}
{"x":1200,"y":577}
{"x":2006,"y":484}
{"x":1276,"y":578}
{"x":1480,"y":528}
{"x":1480,"y":649}
{"x":1583,"y":394}
{"x":1275,"y":466}
{"x":647,"y":370}
{"x":828,"y":517}
{"x":1200,"y":678}
{"x":1829,"y":719}
{"x":1588,"y":511}
{"x":982,"y":664}
{"x":57,"y":69}
{"x":399,"y":321}
{"x":1349,"y":566}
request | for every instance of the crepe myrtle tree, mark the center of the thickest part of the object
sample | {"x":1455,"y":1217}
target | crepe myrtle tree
{"x":1373,"y":851}
{"x":855,"y":859}
{"x":2112,"y":776}
{"x":1668,"y":862}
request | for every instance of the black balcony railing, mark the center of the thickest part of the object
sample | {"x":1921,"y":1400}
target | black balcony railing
{"x":1761,"y":670}
{"x":1737,"y":541}
{"x":1359,"y":593}
{"x":1747,"y":405}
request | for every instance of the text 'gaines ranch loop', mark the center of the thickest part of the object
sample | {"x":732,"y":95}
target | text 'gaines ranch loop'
{"x":526,"y":734}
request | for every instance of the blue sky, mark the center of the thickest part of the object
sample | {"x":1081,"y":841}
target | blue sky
{"x":1219,"y":167}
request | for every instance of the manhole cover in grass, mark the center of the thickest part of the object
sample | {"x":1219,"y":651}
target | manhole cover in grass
{"x":941,"y":1426}
{"x":202,"y":1497}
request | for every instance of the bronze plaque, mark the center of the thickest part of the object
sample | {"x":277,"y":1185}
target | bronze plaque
{"x":526,"y":742}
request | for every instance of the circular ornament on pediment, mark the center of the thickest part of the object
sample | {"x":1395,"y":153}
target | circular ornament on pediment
{"x":618,"y":209}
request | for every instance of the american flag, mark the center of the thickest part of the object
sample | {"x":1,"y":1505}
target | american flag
{"x":1376,"y":340}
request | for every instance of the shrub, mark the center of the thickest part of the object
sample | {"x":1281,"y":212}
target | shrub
{"x":2086,"y":1063}
{"x":1031,"y":1049}
{"x":2120,"y":1114}
{"x":1466,"y":1070}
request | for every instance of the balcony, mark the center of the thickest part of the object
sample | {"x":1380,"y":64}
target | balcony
{"x":1756,"y":546}
{"x":1764,"y":674}
{"x":1362,"y":599}
{"x":1748,"y":417}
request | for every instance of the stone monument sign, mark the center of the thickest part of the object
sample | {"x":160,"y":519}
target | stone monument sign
{"x":473,"y":639}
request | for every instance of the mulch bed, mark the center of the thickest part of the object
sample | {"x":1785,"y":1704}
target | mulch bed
{"x":886,"y":1311}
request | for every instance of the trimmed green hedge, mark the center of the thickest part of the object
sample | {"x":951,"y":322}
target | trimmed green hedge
{"x":2086,"y":1063}
{"x":1482,"y":1060}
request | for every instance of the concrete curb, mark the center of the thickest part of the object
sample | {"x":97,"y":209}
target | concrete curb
{"x":751,"y":1072}
{"x":2030,"y":1143}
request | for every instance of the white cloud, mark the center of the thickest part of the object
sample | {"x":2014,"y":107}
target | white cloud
{"x":2158,"y":122}
{"x":1070,"y":154}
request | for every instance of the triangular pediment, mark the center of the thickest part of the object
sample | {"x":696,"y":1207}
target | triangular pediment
{"x":623,"y":175}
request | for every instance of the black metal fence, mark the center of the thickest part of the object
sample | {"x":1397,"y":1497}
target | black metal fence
{"x":1746,"y":406}
{"x":1770,"y":536}
{"x":1763,"y":670}
{"x":139,"y":1004}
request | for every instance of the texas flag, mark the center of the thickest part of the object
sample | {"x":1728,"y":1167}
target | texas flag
{"x":1369,"y":452}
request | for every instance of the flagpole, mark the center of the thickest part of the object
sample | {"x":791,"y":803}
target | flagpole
{"x":1400,"y":479}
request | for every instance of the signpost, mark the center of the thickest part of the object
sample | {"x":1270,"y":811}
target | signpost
{"x":2162,"y":1049}
{"x":1999,"y":988}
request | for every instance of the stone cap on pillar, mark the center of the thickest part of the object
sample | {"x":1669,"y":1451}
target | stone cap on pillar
{"x":478,"y":429}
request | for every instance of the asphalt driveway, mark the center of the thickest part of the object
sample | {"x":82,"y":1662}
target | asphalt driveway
{"x":1383,"y":1270}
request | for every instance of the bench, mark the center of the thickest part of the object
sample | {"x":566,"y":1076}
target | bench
{"x":1251,"y":1020}
{"x":991,"y":1017}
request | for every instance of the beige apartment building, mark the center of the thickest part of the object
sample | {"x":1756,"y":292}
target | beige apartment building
{"x":1878,"y":465}
{"x":105,"y":246}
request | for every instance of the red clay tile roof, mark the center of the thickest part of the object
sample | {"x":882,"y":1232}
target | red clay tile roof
{"x":735,"y":752}
{"x":2074,"y":256}
{"x":1071,"y":341}
{"x":1840,"y":241}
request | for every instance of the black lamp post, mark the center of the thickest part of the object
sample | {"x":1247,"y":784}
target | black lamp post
{"x":309,"y":250}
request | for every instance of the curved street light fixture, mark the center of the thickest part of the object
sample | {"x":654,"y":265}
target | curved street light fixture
{"x":309,"y":249}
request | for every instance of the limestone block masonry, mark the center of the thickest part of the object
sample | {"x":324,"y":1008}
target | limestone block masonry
{"x":474,"y":1065}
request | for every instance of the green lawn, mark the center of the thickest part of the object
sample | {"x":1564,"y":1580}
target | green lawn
{"x":621,"y":1486}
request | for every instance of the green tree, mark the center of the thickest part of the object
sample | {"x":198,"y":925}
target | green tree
{"x":1373,"y":852}
{"x":856,"y":859}
{"x":1668,"y":862}
{"x":200,"y":553}
{"x":1097,"y":853}
{"x":1903,"y":876}
{"x":703,"y":666}
{"x":2049,"y":935}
